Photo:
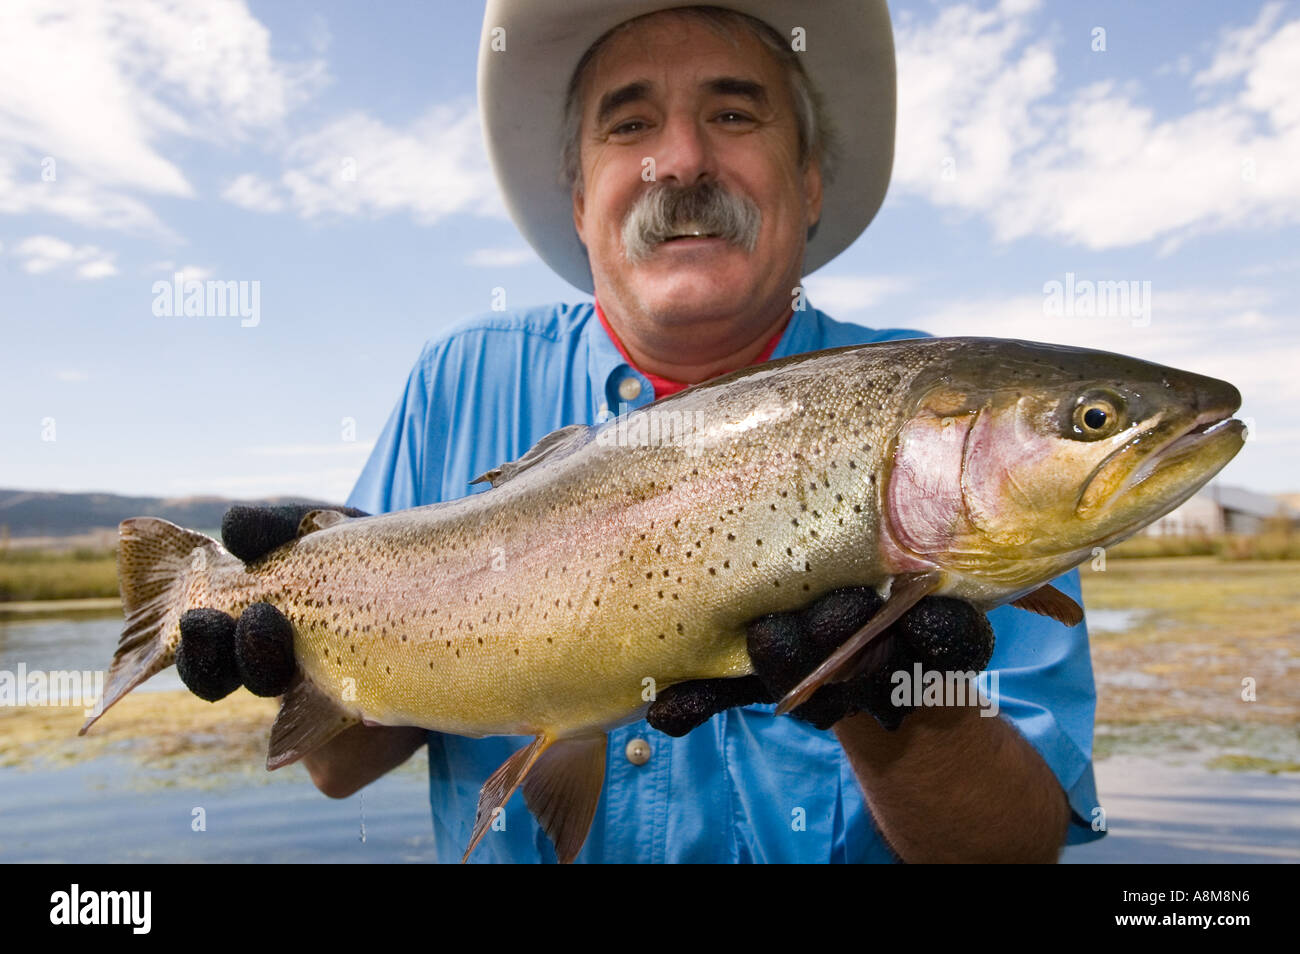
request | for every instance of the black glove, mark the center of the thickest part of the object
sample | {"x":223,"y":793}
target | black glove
{"x":219,"y":654}
{"x":940,"y":633}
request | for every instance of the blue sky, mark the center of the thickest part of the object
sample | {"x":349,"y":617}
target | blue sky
{"x":143,"y":137}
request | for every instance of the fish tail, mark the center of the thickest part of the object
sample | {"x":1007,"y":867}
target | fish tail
{"x":157,"y":562}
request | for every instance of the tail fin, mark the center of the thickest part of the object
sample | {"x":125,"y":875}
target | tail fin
{"x":156,"y":561}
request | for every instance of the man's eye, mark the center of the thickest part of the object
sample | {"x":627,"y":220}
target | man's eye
{"x":629,"y":126}
{"x":734,"y":116}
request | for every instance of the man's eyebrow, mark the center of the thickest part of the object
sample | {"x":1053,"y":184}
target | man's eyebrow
{"x":735,"y":86}
{"x":719,"y":85}
{"x":616,"y":98}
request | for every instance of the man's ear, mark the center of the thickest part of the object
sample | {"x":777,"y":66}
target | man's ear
{"x":812,"y":189}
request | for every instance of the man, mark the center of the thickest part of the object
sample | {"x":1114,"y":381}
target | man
{"x":694,"y":196}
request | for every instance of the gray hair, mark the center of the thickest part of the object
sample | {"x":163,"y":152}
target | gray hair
{"x":817,"y":137}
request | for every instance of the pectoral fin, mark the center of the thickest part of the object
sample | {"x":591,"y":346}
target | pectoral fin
{"x":853,"y":657}
{"x":561,"y":778}
{"x":1047,"y":600}
{"x":307,"y":720}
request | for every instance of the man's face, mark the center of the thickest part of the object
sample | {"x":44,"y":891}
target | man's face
{"x":703,"y":109}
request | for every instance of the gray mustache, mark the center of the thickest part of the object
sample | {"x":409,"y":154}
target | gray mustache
{"x":662,"y":211}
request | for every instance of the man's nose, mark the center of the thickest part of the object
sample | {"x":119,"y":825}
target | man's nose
{"x":684,"y":154}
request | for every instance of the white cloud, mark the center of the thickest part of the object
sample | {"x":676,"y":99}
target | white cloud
{"x":72,"y":376}
{"x":357,"y":165}
{"x":983,"y":129}
{"x":501,"y":257}
{"x":89,"y":90}
{"x":45,"y":253}
{"x":254,"y":193}
{"x":189,"y":273}
{"x":335,"y":449}
{"x":843,"y":294}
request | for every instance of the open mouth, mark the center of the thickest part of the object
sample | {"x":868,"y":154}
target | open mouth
{"x":680,"y":236}
{"x":1105,"y":484}
{"x":1207,"y":427}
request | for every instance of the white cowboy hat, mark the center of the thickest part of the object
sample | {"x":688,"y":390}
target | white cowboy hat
{"x":521,"y":90}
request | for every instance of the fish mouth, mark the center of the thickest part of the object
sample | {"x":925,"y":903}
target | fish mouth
{"x":1214,"y":426}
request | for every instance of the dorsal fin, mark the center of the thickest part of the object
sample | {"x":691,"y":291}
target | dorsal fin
{"x":1047,"y":600}
{"x":553,"y":446}
{"x":319,"y":520}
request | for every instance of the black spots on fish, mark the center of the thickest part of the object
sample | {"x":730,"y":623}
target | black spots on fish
{"x":648,"y":576}
{"x":731,"y":536}
{"x":480,"y":640}
{"x":773,"y":506}
{"x":853,"y":465}
{"x":871,"y":478}
{"x":596,"y":602}
{"x":713,"y":571}
{"x":549,"y":640}
{"x":726,"y":564}
{"x":662,"y":636}
{"x":353,"y":647}
{"x":758,"y":543}
{"x":681,"y":628}
{"x":661,"y":594}
{"x":636,"y":606}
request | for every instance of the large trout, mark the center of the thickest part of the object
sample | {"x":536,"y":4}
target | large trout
{"x":638,"y":549}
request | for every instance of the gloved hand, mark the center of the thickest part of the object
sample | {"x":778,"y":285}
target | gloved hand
{"x":938,"y":632}
{"x":219,"y":654}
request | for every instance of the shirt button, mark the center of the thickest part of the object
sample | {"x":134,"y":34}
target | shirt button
{"x":638,"y":752}
{"x":629,"y":389}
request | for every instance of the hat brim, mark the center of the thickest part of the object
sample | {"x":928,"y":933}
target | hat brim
{"x":849,"y":57}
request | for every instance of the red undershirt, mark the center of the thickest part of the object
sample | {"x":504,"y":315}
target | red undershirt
{"x":663,"y":386}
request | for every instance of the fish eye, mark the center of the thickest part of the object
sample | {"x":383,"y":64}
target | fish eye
{"x":1097,"y":414}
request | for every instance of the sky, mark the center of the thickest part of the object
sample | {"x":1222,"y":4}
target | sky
{"x":329,"y":156}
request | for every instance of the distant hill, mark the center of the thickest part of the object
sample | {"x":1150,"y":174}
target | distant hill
{"x":30,"y":513}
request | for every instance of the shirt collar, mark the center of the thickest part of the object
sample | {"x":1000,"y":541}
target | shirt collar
{"x":610,"y":370}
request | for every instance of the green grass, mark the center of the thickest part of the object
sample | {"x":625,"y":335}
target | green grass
{"x":56,"y":575}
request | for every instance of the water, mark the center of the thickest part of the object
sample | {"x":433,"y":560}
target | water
{"x":1112,"y":620}
{"x":99,"y":812}
{"x":55,"y":643}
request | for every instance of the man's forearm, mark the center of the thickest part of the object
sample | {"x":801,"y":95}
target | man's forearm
{"x":951,"y":785}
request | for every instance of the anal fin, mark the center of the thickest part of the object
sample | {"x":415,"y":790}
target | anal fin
{"x":561,"y":779}
{"x":1047,"y":600}
{"x":308,"y":718}
{"x":563,"y":789}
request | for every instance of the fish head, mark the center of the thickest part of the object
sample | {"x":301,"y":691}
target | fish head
{"x":1018,"y":459}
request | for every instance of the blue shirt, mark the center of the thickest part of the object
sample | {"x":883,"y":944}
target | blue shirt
{"x":747,"y":785}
